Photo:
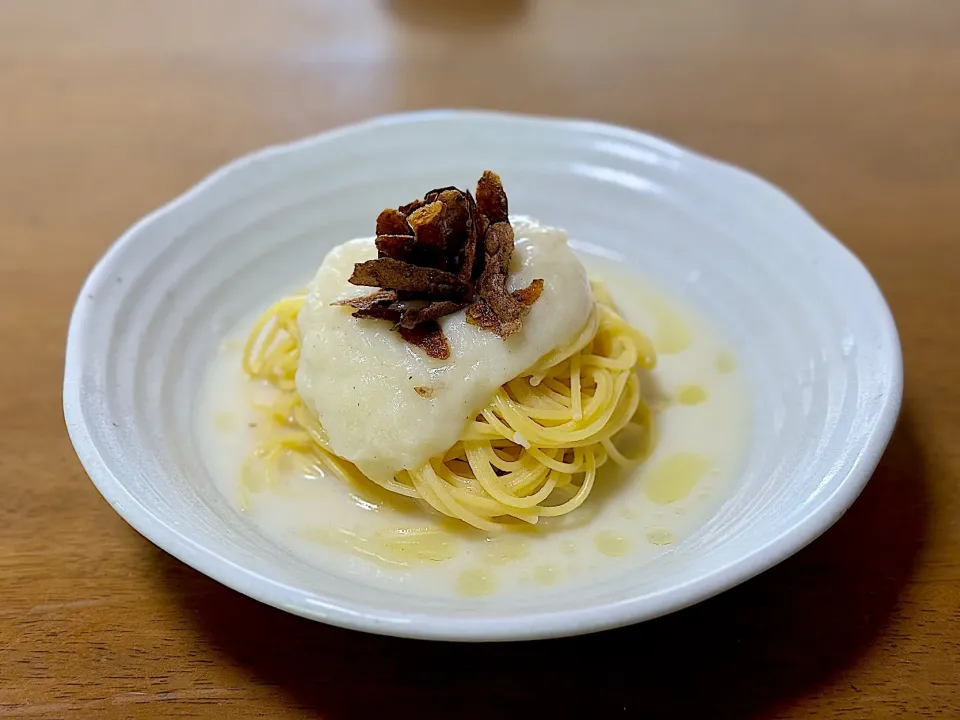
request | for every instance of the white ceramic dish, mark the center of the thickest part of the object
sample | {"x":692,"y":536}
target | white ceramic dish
{"x":808,"y":323}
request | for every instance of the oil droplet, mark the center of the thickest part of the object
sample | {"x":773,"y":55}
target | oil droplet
{"x":423,"y":544}
{"x":545,"y":575}
{"x":691,"y":395}
{"x":726,"y":363}
{"x":506,"y":548}
{"x":659,"y":536}
{"x":628,"y":513}
{"x":245,"y":503}
{"x":400,"y":547}
{"x":672,"y":334}
{"x":224,"y":420}
{"x":475,"y":582}
{"x":612,"y":544}
{"x":232,"y":346}
{"x":675,"y":476}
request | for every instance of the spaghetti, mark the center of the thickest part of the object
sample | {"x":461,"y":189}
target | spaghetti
{"x":532,"y":452}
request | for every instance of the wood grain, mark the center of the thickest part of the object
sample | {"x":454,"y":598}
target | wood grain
{"x":108,"y":108}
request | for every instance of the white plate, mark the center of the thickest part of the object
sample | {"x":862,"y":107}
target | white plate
{"x":808,"y":323}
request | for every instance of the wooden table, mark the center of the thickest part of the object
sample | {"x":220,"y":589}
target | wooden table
{"x":108,"y":108}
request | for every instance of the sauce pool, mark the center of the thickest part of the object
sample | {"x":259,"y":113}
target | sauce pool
{"x":629,"y":519}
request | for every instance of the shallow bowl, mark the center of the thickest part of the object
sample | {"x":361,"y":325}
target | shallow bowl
{"x":811,"y":330}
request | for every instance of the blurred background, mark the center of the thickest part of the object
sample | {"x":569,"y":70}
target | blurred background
{"x":817,"y":95}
